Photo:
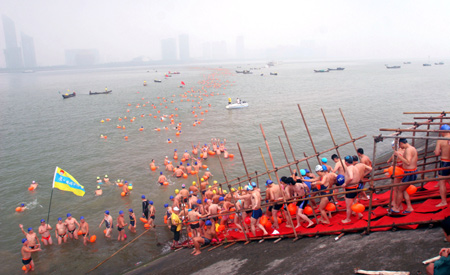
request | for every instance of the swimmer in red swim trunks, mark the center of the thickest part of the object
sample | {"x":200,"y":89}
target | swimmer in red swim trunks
{"x":44,"y":230}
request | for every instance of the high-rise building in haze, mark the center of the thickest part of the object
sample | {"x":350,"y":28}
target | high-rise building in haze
{"x":206,"y":51}
{"x":219,"y":50}
{"x":240,"y":49}
{"x":169,"y":49}
{"x":82,"y":57}
{"x":13,"y":53}
{"x":183,"y":45}
{"x":29,"y":55}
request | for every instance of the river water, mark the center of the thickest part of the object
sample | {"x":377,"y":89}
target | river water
{"x":39,"y":131}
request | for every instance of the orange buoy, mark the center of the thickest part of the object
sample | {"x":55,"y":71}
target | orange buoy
{"x":144,"y":220}
{"x":183,"y":159}
{"x":31,"y":188}
{"x":330,"y":207}
{"x":308,"y":210}
{"x":79,"y":233}
{"x":211,"y":153}
{"x":204,"y":166}
{"x":104,"y":231}
{"x":292,"y":208}
{"x":231,"y":155}
{"x":398,"y":171}
{"x":153,"y":168}
{"x":18,"y":209}
{"x":193,"y":172}
{"x":120,"y":184}
{"x":185,"y":175}
{"x":147,"y":226}
{"x":268,"y":225}
{"x":123,"y":194}
{"x":166,"y":183}
{"x":411,"y":189}
{"x":263,"y":220}
{"x":93,"y":239}
{"x":165,"y":219}
{"x":175,"y":157}
{"x":358,"y":208}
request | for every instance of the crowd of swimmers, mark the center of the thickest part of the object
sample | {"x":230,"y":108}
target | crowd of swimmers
{"x":200,"y":205}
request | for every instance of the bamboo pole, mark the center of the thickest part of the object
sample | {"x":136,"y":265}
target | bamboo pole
{"x":233,"y":201}
{"x":424,"y":138}
{"x":348,"y":129}
{"x":290,"y":147}
{"x":332,"y":139}
{"x":276,"y":175}
{"x":243,"y":162}
{"x":309,"y":134}
{"x":287,"y":160}
{"x":424,"y":113}
{"x":411,"y":130}
{"x":265,"y":164}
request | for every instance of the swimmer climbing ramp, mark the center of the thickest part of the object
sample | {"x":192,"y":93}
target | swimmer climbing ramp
{"x":424,"y":191}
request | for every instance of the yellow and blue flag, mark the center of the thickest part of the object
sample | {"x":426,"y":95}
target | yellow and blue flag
{"x":64,"y":181}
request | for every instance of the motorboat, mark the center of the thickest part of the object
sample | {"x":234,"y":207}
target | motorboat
{"x":243,"y":104}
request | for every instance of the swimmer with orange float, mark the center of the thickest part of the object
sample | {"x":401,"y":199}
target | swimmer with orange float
{"x":169,"y":167}
{"x":33,"y":186}
{"x":178,"y":172}
{"x":161,"y":178}
{"x":21,"y":208}
{"x":44,"y":230}
{"x":186,"y":155}
{"x":153,"y":166}
{"x":33,"y":241}
{"x":61,"y":231}
{"x":26,"y":255}
{"x":84,"y":230}
{"x":108,"y":220}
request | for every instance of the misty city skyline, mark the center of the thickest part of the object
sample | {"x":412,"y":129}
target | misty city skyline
{"x":122,"y":31}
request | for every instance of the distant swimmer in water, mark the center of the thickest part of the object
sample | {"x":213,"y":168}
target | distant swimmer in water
{"x":106,"y":179}
{"x":61,"y":231}
{"x":99,"y":191}
{"x":161,"y":178}
{"x":44,"y":230}
{"x":33,"y":185}
{"x":169,"y":167}
{"x":229,"y":100}
{"x":178,"y":172}
{"x":108,"y":220}
{"x":186,"y":155}
{"x":99,"y":180}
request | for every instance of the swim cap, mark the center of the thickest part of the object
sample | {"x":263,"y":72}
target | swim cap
{"x":445,"y":127}
{"x":98,"y":178}
{"x":120,"y":212}
{"x":169,"y":161}
{"x":269,"y":182}
{"x":248,"y":188}
{"x":232,"y":189}
{"x":171,"y":197}
{"x":22,"y":204}
{"x":185,"y":150}
{"x":324,"y":167}
{"x":187,"y":164}
{"x":81,"y":218}
{"x":126,"y":182}
{"x":208,"y":223}
{"x":143,"y":197}
{"x":175,"y":150}
{"x":176,"y":209}
{"x":59,"y":219}
{"x":214,"y":191}
{"x":193,"y":183}
{"x":191,"y":192}
{"x":160,"y":173}
{"x":307,"y":171}
{"x":106,"y":176}
{"x":207,"y":169}
{"x":30,"y":228}
{"x":98,"y":186}
{"x":324,"y":160}
{"x":177,"y":191}
{"x":199,"y":201}
{"x":181,"y":163}
{"x":183,"y":186}
{"x":215,"y":181}
{"x":340,"y":180}
{"x":205,"y":200}
{"x":225,"y":191}
{"x":118,"y":180}
{"x":195,"y":163}
{"x":319,"y":168}
{"x":42,"y":220}
{"x":302,"y":172}
{"x":107,"y":212}
{"x":166,"y":205}
{"x":349,"y":159}
{"x":253,"y":184}
{"x":130,"y":210}
{"x":403,"y":140}
{"x":24,"y":240}
{"x":151,"y":202}
{"x":202,"y":179}
{"x":35,"y":182}
{"x":189,"y":210}
{"x":221,"y":199}
{"x":68,"y":214}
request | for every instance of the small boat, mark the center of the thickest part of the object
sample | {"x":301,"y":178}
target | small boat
{"x":392,"y":67}
{"x":246,"y":72}
{"x":100,"y":93}
{"x":273,"y":73}
{"x":407,"y":62}
{"x":243,"y":104}
{"x":426,"y":64}
{"x":440,"y":63}
{"x":69,"y":95}
{"x":157,"y":81}
{"x":174,"y":72}
{"x":322,"y":71}
{"x":239,"y":72}
{"x":337,"y":69}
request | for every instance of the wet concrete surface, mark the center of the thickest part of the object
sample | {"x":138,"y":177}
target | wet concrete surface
{"x":402,"y":250}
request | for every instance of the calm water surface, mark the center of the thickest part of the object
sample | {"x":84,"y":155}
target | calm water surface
{"x":39,"y":130}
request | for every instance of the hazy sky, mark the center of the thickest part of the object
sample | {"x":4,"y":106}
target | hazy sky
{"x":122,"y":30}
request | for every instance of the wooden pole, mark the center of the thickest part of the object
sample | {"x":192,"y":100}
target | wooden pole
{"x":334,"y":143}
{"x":290,"y":147}
{"x":309,"y":134}
{"x":265,"y":163}
{"x":348,"y":129}
{"x":276,"y":175}
{"x":243,"y":162}
{"x":287,"y":160}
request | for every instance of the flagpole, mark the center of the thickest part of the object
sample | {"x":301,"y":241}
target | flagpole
{"x":51,"y":196}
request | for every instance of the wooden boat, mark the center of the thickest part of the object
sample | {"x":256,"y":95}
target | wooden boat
{"x":69,"y":95}
{"x":247,"y":72}
{"x":392,"y":67}
{"x":322,"y":71}
{"x":273,"y":73}
{"x":337,"y":69}
{"x":100,"y":93}
{"x":157,"y":81}
{"x":426,"y":64}
{"x":439,"y":63}
{"x":237,"y":105}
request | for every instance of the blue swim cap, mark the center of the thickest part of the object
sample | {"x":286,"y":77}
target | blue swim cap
{"x":160,"y":173}
{"x":81,"y":218}
{"x":59,"y":219}
{"x":324,"y":160}
{"x":340,"y":180}
{"x":126,"y":182}
{"x":181,"y":163}
{"x":175,"y":150}
{"x":185,"y":150}
{"x":24,"y":240}
{"x":171,"y":197}
{"x":195,"y":163}
{"x":30,"y":228}
{"x":187,"y":164}
{"x":143,"y":196}
{"x":254,"y":184}
{"x":445,"y":127}
{"x":151,"y":202}
{"x":68,"y":215}
{"x":205,"y":200}
{"x":268,"y":182}
{"x":107,"y":212}
{"x":166,"y":205}
{"x":191,"y":192}
{"x":189,"y":210}
{"x":221,"y":199}
{"x":130,"y":210}
{"x":199,"y":201}
{"x":302,"y":172}
{"x":22,"y":204}
{"x":42,"y":220}
{"x":208,"y":223}
{"x":349,"y":159}
{"x":120,"y":212}
{"x":306,"y":171}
